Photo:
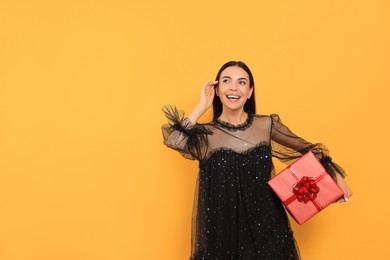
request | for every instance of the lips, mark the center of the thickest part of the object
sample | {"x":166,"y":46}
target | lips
{"x":234,"y":97}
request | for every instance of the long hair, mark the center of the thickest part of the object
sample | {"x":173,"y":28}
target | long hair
{"x":250,"y":105}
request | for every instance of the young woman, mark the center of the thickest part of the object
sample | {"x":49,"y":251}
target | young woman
{"x":236,"y":215}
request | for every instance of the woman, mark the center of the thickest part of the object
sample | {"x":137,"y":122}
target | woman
{"x":236,"y":215}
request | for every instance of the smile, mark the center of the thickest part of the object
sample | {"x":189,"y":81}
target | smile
{"x":232,"y":97}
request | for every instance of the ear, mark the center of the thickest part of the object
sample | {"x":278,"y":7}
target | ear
{"x":216,"y":90}
{"x":250,"y":93}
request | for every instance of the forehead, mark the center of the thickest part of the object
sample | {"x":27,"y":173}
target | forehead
{"x":235,"y":72}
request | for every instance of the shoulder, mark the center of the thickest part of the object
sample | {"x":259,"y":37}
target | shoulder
{"x":264,"y":120}
{"x":274,"y":117}
{"x":209,"y":126}
{"x":270,"y":120}
{"x":270,"y":117}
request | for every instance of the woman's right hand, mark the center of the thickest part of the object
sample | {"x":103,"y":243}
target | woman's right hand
{"x":207,"y":94}
{"x":206,"y":100}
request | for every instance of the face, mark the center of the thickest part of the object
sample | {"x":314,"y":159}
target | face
{"x":234,"y":88}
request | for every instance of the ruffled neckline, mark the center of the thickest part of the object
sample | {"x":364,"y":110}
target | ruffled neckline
{"x":247,"y":123}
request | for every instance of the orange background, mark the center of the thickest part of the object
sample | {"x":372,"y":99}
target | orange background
{"x":83,"y":172}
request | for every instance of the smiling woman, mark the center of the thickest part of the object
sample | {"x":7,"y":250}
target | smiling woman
{"x":244,"y":82}
{"x":235,"y":214}
{"x":234,"y":90}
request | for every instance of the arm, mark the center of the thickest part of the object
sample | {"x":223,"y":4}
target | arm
{"x":287,"y":146}
{"x":206,"y":100}
{"x":184,"y":134}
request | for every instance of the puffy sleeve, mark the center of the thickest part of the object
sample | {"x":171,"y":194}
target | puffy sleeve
{"x":286,"y":146}
{"x":183,"y":136}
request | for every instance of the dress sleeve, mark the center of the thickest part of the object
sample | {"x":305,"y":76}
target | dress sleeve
{"x":183,"y":136}
{"x":286,"y":146}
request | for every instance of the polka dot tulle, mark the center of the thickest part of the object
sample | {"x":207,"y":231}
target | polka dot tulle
{"x":238,"y":217}
{"x":235,"y":214}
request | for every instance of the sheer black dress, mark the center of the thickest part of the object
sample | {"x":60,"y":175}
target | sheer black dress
{"x":235,"y":214}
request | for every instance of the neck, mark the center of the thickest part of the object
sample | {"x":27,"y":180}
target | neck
{"x":234,"y":117}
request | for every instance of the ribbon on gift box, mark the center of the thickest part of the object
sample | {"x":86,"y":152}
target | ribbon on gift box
{"x":305,"y":189}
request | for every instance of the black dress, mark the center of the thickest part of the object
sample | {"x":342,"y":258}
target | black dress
{"x":235,"y":214}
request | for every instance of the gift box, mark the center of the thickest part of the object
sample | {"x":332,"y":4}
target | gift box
{"x":305,"y":188}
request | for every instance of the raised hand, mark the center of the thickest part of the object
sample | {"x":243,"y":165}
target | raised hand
{"x":206,"y":100}
{"x":207,"y":94}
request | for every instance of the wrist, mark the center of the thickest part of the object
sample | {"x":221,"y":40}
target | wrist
{"x":198,"y":111}
{"x":201,"y":108}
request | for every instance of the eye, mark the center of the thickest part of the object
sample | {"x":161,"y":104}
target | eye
{"x":242,"y":82}
{"x":225,"y":81}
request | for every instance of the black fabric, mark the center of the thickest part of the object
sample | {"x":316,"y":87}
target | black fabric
{"x":235,"y":214}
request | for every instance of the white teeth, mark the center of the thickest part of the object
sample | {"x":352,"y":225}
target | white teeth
{"x":233,"y":97}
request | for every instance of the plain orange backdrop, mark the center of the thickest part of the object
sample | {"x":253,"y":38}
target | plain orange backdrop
{"x":83,"y":171}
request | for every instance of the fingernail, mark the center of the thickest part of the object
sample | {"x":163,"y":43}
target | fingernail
{"x":346,"y":199}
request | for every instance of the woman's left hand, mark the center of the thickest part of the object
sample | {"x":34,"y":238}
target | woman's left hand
{"x":344,"y":187}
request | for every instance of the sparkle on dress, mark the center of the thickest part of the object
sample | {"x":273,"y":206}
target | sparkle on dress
{"x":235,"y":214}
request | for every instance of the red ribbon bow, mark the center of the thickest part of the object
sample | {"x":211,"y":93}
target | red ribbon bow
{"x":306,"y":189}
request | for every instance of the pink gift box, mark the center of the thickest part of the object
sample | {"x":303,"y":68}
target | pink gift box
{"x":305,"y":188}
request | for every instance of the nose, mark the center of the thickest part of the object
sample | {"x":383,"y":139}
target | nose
{"x":233,"y":87}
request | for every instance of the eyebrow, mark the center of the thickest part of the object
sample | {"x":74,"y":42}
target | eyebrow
{"x":228,"y":77}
